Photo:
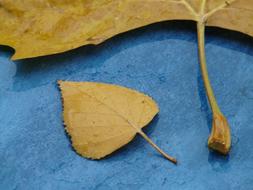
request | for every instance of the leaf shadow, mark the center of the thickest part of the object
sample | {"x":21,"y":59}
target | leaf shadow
{"x":230,"y":39}
{"x":6,"y":51}
{"x":218,"y":162}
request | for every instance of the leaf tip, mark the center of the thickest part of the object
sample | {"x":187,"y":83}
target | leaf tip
{"x":174,"y":160}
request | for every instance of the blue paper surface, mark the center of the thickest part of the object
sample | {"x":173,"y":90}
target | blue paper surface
{"x":160,"y":60}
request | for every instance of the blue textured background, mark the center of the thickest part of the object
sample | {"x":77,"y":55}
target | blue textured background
{"x":160,"y":60}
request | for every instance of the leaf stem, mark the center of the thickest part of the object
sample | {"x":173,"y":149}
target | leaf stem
{"x":202,"y":57}
{"x":220,"y":137}
{"x":157,"y":148}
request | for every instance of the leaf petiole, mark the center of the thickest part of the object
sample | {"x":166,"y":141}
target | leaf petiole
{"x":157,"y":148}
{"x":220,"y":138}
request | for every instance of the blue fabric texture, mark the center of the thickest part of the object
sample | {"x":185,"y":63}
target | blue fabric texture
{"x":160,"y":60}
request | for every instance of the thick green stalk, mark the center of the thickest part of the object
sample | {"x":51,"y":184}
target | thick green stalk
{"x":220,"y":138}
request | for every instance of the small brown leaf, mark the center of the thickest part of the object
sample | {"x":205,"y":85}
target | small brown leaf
{"x":101,"y":118}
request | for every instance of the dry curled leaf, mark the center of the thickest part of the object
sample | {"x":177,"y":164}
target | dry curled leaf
{"x":57,"y":26}
{"x":101,"y":118}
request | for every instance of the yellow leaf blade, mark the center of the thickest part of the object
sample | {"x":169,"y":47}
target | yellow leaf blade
{"x":40,"y":28}
{"x":101,"y":118}
{"x":236,"y":15}
{"x":37,"y":28}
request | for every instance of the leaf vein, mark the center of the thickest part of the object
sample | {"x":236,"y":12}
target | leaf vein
{"x":218,"y":8}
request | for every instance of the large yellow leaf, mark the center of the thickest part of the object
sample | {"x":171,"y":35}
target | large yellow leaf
{"x":35,"y":28}
{"x":101,"y":118}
